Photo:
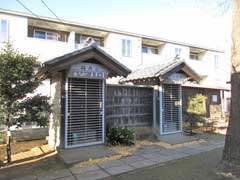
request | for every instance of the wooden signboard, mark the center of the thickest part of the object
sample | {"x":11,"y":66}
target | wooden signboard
{"x":88,"y":70}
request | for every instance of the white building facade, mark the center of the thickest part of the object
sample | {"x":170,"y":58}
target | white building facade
{"x":34,"y":35}
{"x":48,"y":38}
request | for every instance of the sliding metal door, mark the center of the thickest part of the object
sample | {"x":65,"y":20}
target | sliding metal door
{"x":85,"y":116}
{"x":172,"y":112}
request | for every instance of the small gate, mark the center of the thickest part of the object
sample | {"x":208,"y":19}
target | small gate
{"x":172,"y":113}
{"x":84,"y":108}
{"x":85,"y":105}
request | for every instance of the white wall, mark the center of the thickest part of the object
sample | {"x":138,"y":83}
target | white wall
{"x":113,"y":45}
{"x":17,"y":28}
{"x":47,"y":49}
{"x":41,"y":48}
{"x":168,"y":51}
{"x":206,"y":66}
{"x":166,"y":54}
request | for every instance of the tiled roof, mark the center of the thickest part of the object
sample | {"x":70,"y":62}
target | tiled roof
{"x":66,"y":60}
{"x":153,"y":71}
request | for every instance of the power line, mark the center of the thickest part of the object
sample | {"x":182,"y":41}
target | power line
{"x":25,"y":7}
{"x":50,"y":10}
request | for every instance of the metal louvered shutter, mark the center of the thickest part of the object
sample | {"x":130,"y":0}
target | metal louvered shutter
{"x":84,"y":112}
{"x":171,"y":108}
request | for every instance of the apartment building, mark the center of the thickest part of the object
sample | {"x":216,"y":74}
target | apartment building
{"x":198,"y":69}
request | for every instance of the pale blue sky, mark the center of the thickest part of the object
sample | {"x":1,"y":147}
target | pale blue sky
{"x":192,"y":21}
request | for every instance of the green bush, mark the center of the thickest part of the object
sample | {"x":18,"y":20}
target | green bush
{"x":120,"y":136}
{"x":196,"y":111}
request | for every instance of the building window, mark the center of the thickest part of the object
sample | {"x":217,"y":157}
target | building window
{"x":52,"y":36}
{"x":149,"y":49}
{"x":41,"y":34}
{"x":214,"y":98}
{"x":4,"y":30}
{"x":178,"y":51}
{"x":216,"y":61}
{"x":126,"y":47}
{"x":194,"y":55}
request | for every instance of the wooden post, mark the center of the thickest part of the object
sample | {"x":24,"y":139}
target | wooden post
{"x":154,"y":106}
{"x":222,"y":103}
{"x":160,"y":108}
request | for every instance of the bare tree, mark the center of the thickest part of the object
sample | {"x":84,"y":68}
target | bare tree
{"x":231,"y":153}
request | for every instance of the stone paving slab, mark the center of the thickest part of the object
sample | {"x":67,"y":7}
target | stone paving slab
{"x":151,"y":155}
{"x":144,"y":157}
{"x":70,"y":156}
{"x":205,"y":147}
{"x":54,"y":174}
{"x":132,"y":159}
{"x":167,"y":152}
{"x":191,"y":152}
{"x":26,"y":178}
{"x":67,"y":178}
{"x":180,"y":155}
{"x":93,"y":175}
{"x":109,"y":164}
{"x":178,"y":138}
{"x":162,"y":159}
{"x":144,"y":163}
{"x":79,"y":170}
{"x":188,"y":151}
{"x":119,"y":169}
{"x":152,"y":149}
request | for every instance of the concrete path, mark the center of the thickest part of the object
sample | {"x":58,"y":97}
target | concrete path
{"x":145,"y":156}
{"x":70,"y":156}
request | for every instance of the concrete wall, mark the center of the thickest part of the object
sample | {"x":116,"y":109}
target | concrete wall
{"x":55,"y":117}
{"x":29,"y":134}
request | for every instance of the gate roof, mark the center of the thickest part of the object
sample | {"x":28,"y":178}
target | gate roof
{"x":88,"y":54}
{"x":162,"y":71}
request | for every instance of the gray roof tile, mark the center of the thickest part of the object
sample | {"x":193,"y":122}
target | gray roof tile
{"x":153,"y":71}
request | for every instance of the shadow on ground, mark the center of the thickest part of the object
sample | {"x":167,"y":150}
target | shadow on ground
{"x":51,"y":163}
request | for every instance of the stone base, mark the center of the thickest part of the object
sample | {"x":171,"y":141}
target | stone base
{"x":75,"y":155}
{"x":178,"y":138}
{"x":143,"y":132}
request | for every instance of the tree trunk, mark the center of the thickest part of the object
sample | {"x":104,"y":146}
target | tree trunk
{"x":8,"y":140}
{"x":231,"y":153}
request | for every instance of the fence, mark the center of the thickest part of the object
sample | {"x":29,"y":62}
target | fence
{"x":130,"y":106}
{"x":24,"y":134}
{"x":29,"y":134}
